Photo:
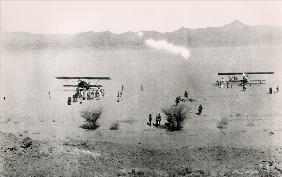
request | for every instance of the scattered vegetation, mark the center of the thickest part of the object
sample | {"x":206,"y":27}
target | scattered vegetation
{"x":128,"y":121}
{"x":250,"y":123}
{"x":222,"y":123}
{"x":114,"y":126}
{"x":91,"y":116}
{"x":175,"y":116}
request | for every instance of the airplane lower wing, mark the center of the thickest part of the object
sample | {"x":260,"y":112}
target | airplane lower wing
{"x":68,"y":85}
{"x":241,"y":81}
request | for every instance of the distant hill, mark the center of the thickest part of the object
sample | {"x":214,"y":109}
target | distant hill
{"x":233,"y":34}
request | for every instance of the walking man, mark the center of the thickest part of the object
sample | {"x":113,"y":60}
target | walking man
{"x":186,"y":94}
{"x":150,"y":120}
{"x":200,"y":109}
{"x":177,"y":100}
{"x":118,"y":97}
{"x":49,"y":93}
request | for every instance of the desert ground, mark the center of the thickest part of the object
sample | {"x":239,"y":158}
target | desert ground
{"x":238,"y":134}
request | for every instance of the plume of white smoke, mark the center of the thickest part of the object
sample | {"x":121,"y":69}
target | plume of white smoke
{"x":169,"y":47}
{"x":140,"y":34}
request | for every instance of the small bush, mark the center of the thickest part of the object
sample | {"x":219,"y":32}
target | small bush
{"x":91,"y":116}
{"x":114,"y":126}
{"x":222,"y":123}
{"x":175,"y":116}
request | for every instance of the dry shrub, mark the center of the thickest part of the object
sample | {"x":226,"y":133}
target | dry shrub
{"x":222,"y":123}
{"x":175,"y":115}
{"x":91,"y":116}
{"x":114,"y":126}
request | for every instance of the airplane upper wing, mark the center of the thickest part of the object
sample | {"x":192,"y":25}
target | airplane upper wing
{"x":238,"y":73}
{"x":98,"y":78}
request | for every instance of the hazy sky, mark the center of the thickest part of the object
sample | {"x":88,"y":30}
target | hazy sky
{"x":122,"y":16}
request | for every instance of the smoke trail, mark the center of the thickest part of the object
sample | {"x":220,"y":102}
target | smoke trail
{"x":169,"y":47}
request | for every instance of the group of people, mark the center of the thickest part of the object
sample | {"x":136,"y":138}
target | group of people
{"x":158,"y":120}
{"x":178,"y":98}
{"x":228,"y":83}
{"x":90,"y":94}
{"x":233,"y":79}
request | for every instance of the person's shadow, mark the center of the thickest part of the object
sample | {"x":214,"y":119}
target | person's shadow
{"x":156,"y":125}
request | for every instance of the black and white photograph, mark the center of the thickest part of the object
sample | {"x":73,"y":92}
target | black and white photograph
{"x":140,"y":88}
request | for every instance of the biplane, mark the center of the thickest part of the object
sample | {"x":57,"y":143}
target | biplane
{"x":243,"y":80}
{"x":85,"y":90}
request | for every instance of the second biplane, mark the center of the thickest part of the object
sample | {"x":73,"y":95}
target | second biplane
{"x":85,"y":90}
{"x":243,"y":81}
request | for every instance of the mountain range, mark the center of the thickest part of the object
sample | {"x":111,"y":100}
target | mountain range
{"x":233,"y":34}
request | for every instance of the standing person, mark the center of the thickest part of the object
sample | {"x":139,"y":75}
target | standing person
{"x":270,"y":90}
{"x":150,"y":120}
{"x":186,"y":94}
{"x":159,"y":119}
{"x":118,"y":97}
{"x":69,"y":100}
{"x":142,"y":89}
{"x":217,"y":83}
{"x":177,"y":100}
{"x":277,"y":89}
{"x":244,"y":87}
{"x":200,"y":109}
{"x":49,"y":93}
{"x":121,"y":87}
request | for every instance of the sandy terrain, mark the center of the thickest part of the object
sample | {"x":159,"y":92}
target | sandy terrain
{"x":248,"y":143}
{"x":95,"y":158}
